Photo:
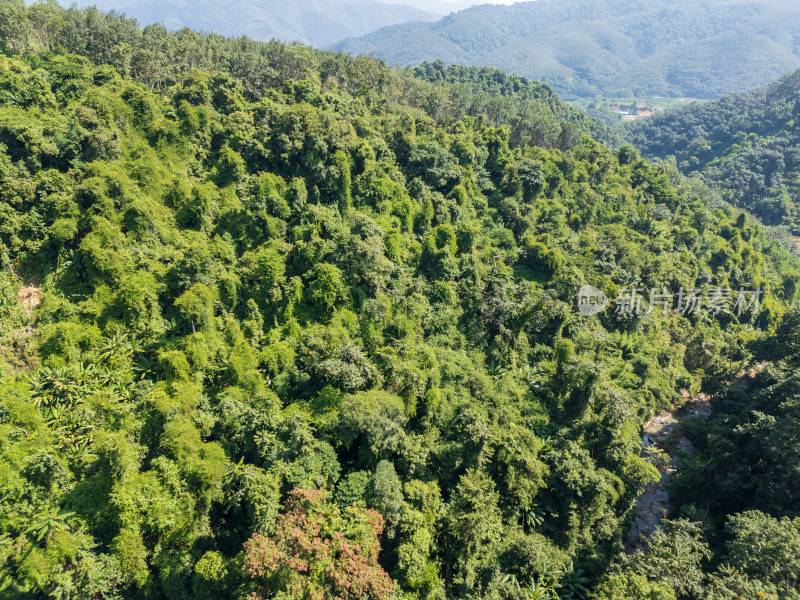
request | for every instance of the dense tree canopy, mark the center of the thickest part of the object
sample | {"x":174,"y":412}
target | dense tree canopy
{"x":251,"y":326}
{"x":159,"y":58}
{"x":744,"y":145}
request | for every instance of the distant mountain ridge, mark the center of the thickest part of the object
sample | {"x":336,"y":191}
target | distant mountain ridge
{"x":440,"y":7}
{"x":315,"y":22}
{"x":610,"y":48}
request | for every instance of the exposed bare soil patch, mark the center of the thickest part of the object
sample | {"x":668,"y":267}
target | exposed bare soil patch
{"x":29,"y":297}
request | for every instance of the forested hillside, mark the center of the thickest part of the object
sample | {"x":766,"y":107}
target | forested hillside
{"x":609,"y":48}
{"x":279,"y":323}
{"x":159,"y":58}
{"x":746,"y":145}
{"x":316,"y":22}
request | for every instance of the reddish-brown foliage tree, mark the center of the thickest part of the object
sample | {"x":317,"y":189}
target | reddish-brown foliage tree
{"x":319,"y":552}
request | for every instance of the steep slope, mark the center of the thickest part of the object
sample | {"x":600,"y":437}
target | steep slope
{"x":279,"y":323}
{"x":263,"y":320}
{"x":745,"y":145}
{"x":684,"y":48}
{"x":315,"y":22}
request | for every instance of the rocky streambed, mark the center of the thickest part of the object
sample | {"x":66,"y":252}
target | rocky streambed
{"x":662,"y":435}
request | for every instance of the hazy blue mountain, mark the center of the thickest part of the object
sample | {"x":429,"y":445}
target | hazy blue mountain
{"x":696,"y":48}
{"x":439,"y":6}
{"x":315,"y":22}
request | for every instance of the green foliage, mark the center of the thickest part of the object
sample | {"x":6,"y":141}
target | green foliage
{"x":751,"y":446}
{"x":765,"y":548}
{"x":743,"y":145}
{"x":788,"y":333}
{"x":343,"y":183}
{"x":632,"y":586}
{"x":287,"y":275}
{"x":670,"y":567}
{"x":326,"y":292}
